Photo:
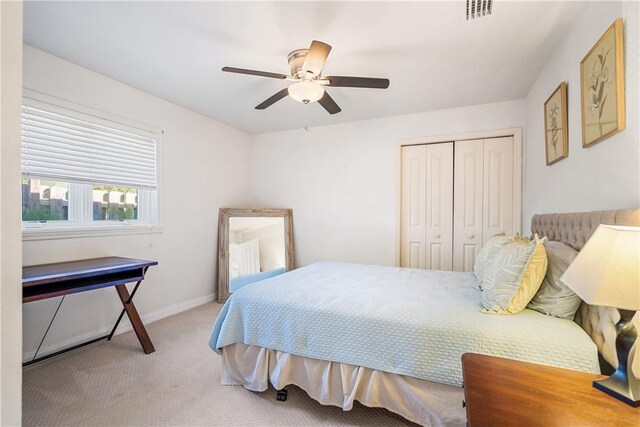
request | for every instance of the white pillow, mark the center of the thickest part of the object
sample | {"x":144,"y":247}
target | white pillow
{"x":487,"y":253}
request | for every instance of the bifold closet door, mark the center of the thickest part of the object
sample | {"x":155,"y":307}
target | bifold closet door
{"x":427,"y":207}
{"x":412,"y":221}
{"x":483,"y":196}
{"x":498,"y":192}
{"x":467,"y":217}
{"x":439,"y":207}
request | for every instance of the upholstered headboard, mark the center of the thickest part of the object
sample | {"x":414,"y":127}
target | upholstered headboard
{"x":575,"y":229}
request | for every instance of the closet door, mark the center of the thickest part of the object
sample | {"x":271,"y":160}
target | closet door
{"x":498,"y":203}
{"x":468,"y":203}
{"x":412,"y":242}
{"x":455,"y":197}
{"x":439,"y":207}
{"x":427,"y":207}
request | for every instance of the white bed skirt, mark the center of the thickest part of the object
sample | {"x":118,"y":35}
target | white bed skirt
{"x":331,"y":383}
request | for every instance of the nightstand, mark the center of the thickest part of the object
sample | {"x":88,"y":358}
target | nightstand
{"x":503,"y":392}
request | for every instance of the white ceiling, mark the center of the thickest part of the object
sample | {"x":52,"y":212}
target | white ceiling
{"x":434,"y":58}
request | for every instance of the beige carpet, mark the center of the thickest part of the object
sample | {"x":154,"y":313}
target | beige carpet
{"x":115,"y":383}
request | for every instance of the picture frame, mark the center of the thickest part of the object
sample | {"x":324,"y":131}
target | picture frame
{"x":556,"y":132}
{"x":602,"y":87}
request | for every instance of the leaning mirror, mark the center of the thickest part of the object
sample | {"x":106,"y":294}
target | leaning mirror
{"x":253,"y":245}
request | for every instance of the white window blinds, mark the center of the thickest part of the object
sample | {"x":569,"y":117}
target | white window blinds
{"x":66,"y":145}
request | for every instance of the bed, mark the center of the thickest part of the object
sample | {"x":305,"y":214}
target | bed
{"x":393,"y":337}
{"x":236,"y":283}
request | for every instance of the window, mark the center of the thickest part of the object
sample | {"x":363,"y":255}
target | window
{"x":44,"y":200}
{"x":114,"y":203}
{"x":82,"y":170}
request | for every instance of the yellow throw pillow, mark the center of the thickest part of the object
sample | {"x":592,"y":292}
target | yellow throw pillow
{"x":514,"y":276}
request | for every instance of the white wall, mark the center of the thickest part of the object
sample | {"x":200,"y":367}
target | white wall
{"x":198,"y":156}
{"x":606,"y":175}
{"x":342,"y":180}
{"x":10,"y":239}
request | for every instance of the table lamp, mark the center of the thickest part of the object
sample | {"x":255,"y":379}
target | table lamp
{"x":606,"y":272}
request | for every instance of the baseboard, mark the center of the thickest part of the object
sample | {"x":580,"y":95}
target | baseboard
{"x":124,"y":326}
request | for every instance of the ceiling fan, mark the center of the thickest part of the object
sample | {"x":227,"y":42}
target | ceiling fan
{"x":306,"y":71}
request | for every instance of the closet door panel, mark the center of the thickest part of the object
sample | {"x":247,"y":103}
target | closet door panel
{"x":412,"y":243}
{"x":468,"y":203}
{"x":439,"y":206}
{"x":497,"y":215}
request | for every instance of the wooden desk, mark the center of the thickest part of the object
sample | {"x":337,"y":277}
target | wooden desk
{"x":503,"y":392}
{"x":64,"y":278}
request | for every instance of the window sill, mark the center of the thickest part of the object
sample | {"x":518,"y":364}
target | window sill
{"x":31,"y":234}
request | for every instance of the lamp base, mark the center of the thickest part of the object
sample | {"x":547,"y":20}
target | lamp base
{"x":622,"y":384}
{"x":618,"y":389}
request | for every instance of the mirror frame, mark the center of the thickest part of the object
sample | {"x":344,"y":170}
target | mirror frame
{"x":223,"y":241}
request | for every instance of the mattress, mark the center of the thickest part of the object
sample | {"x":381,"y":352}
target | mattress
{"x":403,"y":321}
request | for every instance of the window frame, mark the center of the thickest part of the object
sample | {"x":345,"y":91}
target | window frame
{"x":80,"y":222}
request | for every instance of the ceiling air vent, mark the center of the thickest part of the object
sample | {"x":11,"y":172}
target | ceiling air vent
{"x":478,"y":8}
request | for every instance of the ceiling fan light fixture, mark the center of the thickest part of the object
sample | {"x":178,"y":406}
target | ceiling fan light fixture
{"x":306,"y":92}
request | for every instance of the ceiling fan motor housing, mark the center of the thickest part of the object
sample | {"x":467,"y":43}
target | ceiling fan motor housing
{"x":296,"y":60}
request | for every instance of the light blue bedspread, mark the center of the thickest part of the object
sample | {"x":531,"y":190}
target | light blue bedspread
{"x":238,"y":282}
{"x":398,"y":320}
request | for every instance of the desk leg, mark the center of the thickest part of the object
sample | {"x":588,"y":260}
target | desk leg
{"x":134,"y":317}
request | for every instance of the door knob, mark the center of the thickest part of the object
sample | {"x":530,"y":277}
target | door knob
{"x":471,"y":236}
{"x":436,"y":236}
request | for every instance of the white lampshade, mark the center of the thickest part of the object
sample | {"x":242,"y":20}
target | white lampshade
{"x":607,"y":270}
{"x":306,"y":92}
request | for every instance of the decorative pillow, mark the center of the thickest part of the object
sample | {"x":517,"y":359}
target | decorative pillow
{"x":554,"y":297}
{"x":514,"y":276}
{"x":487,"y":253}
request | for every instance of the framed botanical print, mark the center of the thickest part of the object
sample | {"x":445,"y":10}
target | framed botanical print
{"x":602,"y":87}
{"x":556,"y":135}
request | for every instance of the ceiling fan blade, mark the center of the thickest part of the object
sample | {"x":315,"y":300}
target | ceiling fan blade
{"x":366,"y":82}
{"x":273,"y":99}
{"x":316,"y":56}
{"x":329,"y":104}
{"x":254,"y":72}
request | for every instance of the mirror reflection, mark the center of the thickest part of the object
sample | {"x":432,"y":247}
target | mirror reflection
{"x":256,"y":250}
{"x":253,"y":245}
